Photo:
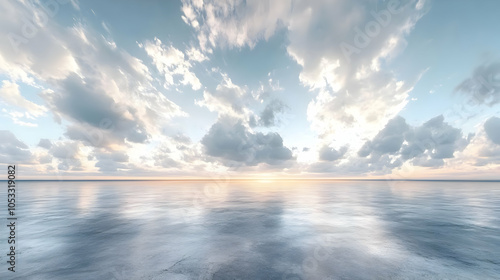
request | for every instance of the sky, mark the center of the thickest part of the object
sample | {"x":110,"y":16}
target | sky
{"x":392,"y":89}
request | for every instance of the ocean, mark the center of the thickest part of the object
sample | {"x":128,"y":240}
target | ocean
{"x":254,"y":230}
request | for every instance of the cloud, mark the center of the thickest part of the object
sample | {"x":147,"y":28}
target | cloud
{"x":330,"y":154}
{"x":10,"y":94}
{"x":45,"y":143}
{"x":492,"y":129}
{"x":483,"y":87}
{"x":433,"y":144}
{"x":346,"y":81}
{"x":85,"y":102}
{"x":426,"y":145}
{"x":34,"y":47}
{"x":268,"y":115}
{"x":196,"y":55}
{"x":111,"y":161}
{"x":103,"y":95}
{"x":172,"y":62}
{"x":388,"y":140}
{"x":12,"y":150}
{"x":483,"y":150}
{"x":229,"y":140}
{"x":234,"y":23}
{"x":163,"y":157}
{"x":68,"y":154}
{"x":266,"y":89}
{"x":318,"y":33}
{"x":227,"y":99}
{"x":434,"y":138}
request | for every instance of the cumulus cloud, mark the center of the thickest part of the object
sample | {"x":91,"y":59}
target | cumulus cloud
{"x":229,"y":140}
{"x":388,"y":140}
{"x":343,"y":60}
{"x":483,"y":87}
{"x":430,"y":145}
{"x":12,"y":150}
{"x":172,"y":63}
{"x":425,"y":145}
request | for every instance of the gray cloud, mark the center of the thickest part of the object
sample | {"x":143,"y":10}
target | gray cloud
{"x":388,"y":140}
{"x":330,"y":154}
{"x":492,"y":129}
{"x":12,"y":150}
{"x":67,"y":154}
{"x":435,"y":138}
{"x":483,"y":87}
{"x":45,"y":143}
{"x":111,"y":161}
{"x":86,"y":103}
{"x":230,"y":140}
{"x":425,"y":145}
{"x":268,"y":115}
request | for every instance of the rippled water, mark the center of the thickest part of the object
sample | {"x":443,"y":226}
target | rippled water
{"x":265,"y":230}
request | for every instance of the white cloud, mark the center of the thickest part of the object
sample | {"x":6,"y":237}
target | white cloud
{"x":318,"y":33}
{"x":196,"y":55}
{"x":483,"y":152}
{"x":172,"y":62}
{"x":10,"y":94}
{"x":104,"y":95}
{"x":235,"y":23}
{"x":34,"y":45}
{"x":227,"y":99}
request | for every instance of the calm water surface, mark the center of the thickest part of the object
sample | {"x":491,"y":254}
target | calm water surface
{"x":265,"y":230}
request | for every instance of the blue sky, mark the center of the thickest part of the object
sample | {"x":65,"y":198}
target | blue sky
{"x":335,"y":89}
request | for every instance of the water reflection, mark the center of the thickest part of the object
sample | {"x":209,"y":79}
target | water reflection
{"x":265,"y":230}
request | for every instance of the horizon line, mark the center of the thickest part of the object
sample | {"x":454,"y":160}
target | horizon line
{"x":267,"y":179}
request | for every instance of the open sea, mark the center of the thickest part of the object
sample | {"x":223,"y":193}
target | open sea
{"x":254,"y":230}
